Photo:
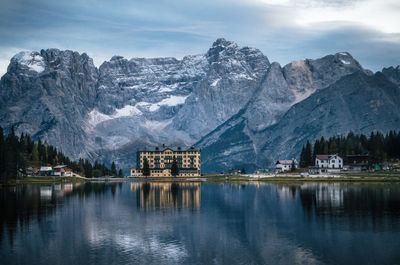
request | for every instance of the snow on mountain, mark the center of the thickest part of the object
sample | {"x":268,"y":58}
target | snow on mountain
{"x":220,"y":100}
{"x":33,"y":60}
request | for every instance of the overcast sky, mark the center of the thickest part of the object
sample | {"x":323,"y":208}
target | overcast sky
{"x":284,"y":30}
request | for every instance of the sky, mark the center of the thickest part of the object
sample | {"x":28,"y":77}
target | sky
{"x":284,"y":30}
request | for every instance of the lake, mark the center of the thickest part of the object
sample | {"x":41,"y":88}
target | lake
{"x":200,"y":223}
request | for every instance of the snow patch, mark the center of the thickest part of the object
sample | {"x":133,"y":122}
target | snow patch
{"x":126,"y":111}
{"x":344,"y":61}
{"x":215,"y":82}
{"x":343,"y":53}
{"x":96,"y":117}
{"x":173,"y":100}
{"x":33,"y":60}
{"x":156,"y":125}
{"x":167,"y":88}
{"x":170,"y":101}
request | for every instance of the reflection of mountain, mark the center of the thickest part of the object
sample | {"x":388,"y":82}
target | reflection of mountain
{"x":160,"y":195}
{"x":20,"y":205}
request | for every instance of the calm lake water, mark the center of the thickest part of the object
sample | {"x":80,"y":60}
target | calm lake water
{"x":193,"y":223}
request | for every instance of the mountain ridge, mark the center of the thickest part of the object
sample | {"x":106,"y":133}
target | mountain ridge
{"x":107,"y":113}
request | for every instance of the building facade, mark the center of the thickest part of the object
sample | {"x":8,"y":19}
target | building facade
{"x":160,"y":161}
{"x":285,"y":165}
{"x":329,"y":161}
{"x":357,"y":162}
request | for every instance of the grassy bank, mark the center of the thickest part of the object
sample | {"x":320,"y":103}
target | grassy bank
{"x":44,"y":179}
{"x":362,"y":177}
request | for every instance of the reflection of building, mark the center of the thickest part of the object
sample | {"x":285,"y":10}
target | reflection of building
{"x":160,"y":160}
{"x":167,"y":195}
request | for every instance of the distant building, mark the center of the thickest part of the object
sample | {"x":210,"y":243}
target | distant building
{"x":285,"y":165}
{"x":357,"y":162}
{"x":30,"y":171}
{"x":45,"y":171}
{"x":327,"y":163}
{"x":62,"y":171}
{"x":160,"y":161}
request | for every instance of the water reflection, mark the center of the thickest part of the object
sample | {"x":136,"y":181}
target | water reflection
{"x":147,"y":223}
{"x":19,"y":205}
{"x":163,"y":195}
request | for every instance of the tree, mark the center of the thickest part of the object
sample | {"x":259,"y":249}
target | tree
{"x":2,"y":146}
{"x":81,"y":167}
{"x":96,"y":173}
{"x":113,"y":169}
{"x":146,"y":168}
{"x":120,"y":175}
{"x":293,"y":166}
{"x":11,"y":155}
{"x":303,"y":162}
{"x":174,"y":168}
{"x":35,"y":153}
{"x":308,"y":154}
{"x":243,"y":171}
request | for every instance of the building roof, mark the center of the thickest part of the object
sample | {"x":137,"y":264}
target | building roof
{"x":59,"y":166}
{"x":175,"y":148}
{"x":45,"y":168}
{"x":326,"y":157}
{"x":286,"y":162}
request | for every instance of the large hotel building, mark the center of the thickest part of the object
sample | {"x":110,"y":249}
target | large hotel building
{"x":160,"y":161}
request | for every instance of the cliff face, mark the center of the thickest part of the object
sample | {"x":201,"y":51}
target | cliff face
{"x":48,"y":94}
{"x":231,"y":101}
{"x":358,"y":102}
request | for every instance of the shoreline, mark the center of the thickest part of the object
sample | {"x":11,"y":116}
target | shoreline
{"x":294,"y":178}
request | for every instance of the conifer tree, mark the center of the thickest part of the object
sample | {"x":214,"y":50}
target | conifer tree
{"x":293,"y":166}
{"x":2,"y":146}
{"x":146,"y":168}
{"x":174,"y":168}
{"x":81,"y":167}
{"x":113,"y":169}
{"x":35,"y":153}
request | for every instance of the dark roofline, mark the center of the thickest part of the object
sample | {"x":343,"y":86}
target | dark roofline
{"x":175,"y":149}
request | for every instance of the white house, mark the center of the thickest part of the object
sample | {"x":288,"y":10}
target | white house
{"x":285,"y":165}
{"x":329,"y":161}
{"x":62,"y":171}
{"x":45,"y":171}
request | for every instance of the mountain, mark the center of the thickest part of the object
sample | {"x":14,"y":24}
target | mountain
{"x":47,"y":94}
{"x":225,"y":101}
{"x":358,"y":102}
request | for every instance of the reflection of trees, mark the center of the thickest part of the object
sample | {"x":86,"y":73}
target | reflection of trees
{"x":19,"y":205}
{"x":156,"y":195}
{"x":351,"y":201}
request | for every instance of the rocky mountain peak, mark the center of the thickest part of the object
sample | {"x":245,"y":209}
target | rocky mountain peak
{"x":116,"y":58}
{"x":393,"y":74}
{"x":221,"y":48}
{"x":29,"y":61}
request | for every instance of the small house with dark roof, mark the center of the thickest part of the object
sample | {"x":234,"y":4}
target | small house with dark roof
{"x":62,"y":171}
{"x":357,"y":162}
{"x":333,"y":161}
{"x":285,"y":165}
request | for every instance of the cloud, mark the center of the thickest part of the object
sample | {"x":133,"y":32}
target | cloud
{"x":284,"y":30}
